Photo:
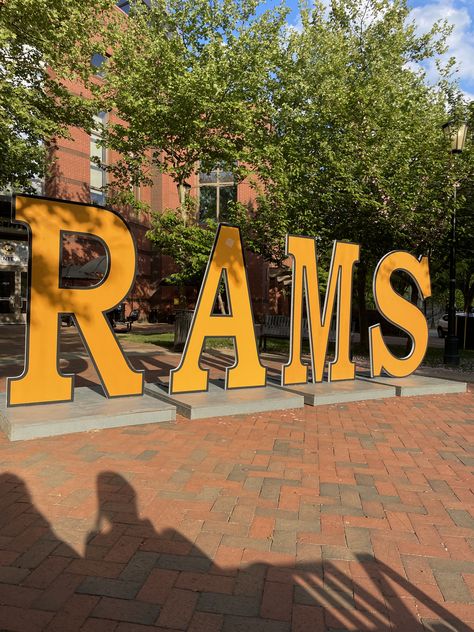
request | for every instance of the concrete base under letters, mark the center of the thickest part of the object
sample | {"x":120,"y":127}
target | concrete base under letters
{"x":219,"y":402}
{"x":89,"y":411}
{"x":417,"y":384}
{"x":342,"y":392}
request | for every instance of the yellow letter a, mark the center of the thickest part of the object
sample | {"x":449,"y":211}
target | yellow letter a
{"x":226,"y":258}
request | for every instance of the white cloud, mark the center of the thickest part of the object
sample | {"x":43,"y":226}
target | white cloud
{"x":461,"y":40}
{"x":297,"y":25}
{"x":469,"y":95}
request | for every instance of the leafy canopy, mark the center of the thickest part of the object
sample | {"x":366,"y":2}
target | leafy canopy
{"x":43,"y":45}
{"x":189,"y":81}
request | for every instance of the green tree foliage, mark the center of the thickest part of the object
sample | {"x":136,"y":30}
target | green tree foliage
{"x":42,"y":45}
{"x":189,"y":82}
{"x":188,"y":244}
{"x":336,"y":120}
{"x":359,"y":143}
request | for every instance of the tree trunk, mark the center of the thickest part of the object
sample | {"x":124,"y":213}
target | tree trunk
{"x":362,"y":306}
{"x":182,"y":200}
{"x":470,"y":297}
{"x":183,"y":301}
{"x":221,"y":304}
{"x":468,"y":293}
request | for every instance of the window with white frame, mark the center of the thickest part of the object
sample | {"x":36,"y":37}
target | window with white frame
{"x":98,"y":155}
{"x":216,"y":190}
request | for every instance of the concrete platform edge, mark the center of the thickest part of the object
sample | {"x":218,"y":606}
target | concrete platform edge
{"x":321,"y":393}
{"x":47,"y":420}
{"x":419,"y":385}
{"x":236,"y":406}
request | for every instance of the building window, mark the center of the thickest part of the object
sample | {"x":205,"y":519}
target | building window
{"x":216,"y":189}
{"x":124,"y":6}
{"x":98,"y":61}
{"x":98,"y":155}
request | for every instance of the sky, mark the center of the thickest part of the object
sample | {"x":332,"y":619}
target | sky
{"x":459,"y":13}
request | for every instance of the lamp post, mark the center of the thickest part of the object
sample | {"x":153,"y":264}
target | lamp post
{"x":456,"y":134}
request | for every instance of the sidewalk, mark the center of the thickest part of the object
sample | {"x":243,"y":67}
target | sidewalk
{"x":355,"y":517}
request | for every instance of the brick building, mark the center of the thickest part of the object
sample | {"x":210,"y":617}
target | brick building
{"x":75,"y":177}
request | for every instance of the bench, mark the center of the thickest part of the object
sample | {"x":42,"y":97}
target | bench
{"x":277,"y":326}
{"x":119,"y":322}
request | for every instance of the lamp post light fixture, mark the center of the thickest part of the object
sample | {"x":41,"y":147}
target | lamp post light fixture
{"x":456,"y":134}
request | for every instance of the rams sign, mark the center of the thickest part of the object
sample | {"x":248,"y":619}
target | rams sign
{"x":42,"y":381}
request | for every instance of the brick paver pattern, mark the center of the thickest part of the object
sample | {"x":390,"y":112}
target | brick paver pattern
{"x":350,"y":517}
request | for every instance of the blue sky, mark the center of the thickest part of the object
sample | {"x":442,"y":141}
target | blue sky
{"x":460,"y":13}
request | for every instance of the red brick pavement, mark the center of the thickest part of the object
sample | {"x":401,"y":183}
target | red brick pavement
{"x":351,"y":517}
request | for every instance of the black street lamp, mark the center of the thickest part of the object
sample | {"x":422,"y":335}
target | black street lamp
{"x":456,"y":133}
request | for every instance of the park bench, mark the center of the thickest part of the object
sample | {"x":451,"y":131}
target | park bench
{"x":277,"y":326}
{"x":118,"y":320}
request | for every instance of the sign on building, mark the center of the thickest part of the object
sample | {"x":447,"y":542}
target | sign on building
{"x":13,"y":253}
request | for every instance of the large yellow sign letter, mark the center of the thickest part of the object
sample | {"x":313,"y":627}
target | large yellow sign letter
{"x":305,"y":279}
{"x":47,"y":220}
{"x":226,"y":260}
{"x":400,"y":312}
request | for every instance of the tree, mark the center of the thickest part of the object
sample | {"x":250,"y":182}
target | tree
{"x":359,"y":145}
{"x":188,"y":244}
{"x":43,"y":44}
{"x":189,"y":81}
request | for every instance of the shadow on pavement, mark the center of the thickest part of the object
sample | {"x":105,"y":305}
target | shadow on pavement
{"x":133,"y":578}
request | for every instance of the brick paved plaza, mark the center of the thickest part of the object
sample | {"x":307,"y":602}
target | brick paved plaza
{"x":355,"y":517}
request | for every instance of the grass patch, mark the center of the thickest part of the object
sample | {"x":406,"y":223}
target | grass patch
{"x":160,"y":340}
{"x":167,"y":340}
{"x":435,"y":357}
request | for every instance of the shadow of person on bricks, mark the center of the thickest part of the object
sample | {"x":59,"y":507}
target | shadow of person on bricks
{"x":162,"y":580}
{"x":133,"y":588}
{"x":33,"y":587}
{"x":135,"y":578}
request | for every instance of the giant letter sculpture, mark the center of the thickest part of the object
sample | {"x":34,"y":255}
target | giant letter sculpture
{"x":305,"y":279}
{"x":400,"y":312}
{"x":226,"y":262}
{"x":47,"y":220}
